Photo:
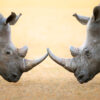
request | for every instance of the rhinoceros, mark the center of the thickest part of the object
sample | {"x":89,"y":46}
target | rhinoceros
{"x":85,"y":63}
{"x":12,"y":59}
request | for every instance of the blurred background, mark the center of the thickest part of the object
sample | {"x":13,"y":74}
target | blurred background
{"x":48,"y":24}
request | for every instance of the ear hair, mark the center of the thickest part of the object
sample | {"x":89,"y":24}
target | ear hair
{"x":11,"y":17}
{"x":96,"y":13}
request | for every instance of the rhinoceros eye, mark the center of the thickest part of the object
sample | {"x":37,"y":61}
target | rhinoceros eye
{"x":87,"y":53}
{"x":8,"y":52}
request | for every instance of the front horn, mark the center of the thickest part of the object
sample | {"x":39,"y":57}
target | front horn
{"x":66,"y":63}
{"x":29,"y":64}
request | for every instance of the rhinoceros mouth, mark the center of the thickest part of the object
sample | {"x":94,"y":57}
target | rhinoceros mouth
{"x":9,"y":78}
{"x":82,"y":80}
{"x":13,"y":80}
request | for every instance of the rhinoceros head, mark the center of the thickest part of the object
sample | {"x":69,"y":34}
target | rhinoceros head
{"x":12,"y":59}
{"x":85,"y":63}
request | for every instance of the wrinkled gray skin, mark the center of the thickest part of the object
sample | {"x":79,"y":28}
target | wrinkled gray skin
{"x":85,"y":63}
{"x":12,"y":62}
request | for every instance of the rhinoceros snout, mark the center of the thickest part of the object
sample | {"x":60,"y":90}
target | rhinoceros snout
{"x":82,"y":77}
{"x":14,"y":77}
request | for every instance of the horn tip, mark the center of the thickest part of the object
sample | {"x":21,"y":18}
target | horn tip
{"x":46,"y":54}
{"x":48,"y":49}
{"x":50,"y":53}
{"x":26,"y":47}
{"x":20,"y":14}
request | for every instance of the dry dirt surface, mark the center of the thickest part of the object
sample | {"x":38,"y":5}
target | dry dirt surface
{"x":41,"y":28}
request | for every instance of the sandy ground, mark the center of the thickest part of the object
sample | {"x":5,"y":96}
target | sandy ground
{"x":41,"y":28}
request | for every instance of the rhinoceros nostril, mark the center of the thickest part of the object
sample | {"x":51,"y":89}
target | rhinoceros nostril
{"x":80,"y":76}
{"x":14,"y":75}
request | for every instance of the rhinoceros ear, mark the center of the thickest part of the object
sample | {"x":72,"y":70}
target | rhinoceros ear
{"x":96,"y":13}
{"x":23,"y":51}
{"x":13,"y":18}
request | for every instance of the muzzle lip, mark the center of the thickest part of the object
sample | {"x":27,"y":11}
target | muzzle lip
{"x":13,"y":80}
{"x":10,"y":79}
{"x":85,"y":80}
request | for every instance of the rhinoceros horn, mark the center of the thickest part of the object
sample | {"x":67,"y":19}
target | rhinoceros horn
{"x":66,"y":63}
{"x":29,"y":64}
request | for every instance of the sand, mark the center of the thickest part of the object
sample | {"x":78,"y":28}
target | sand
{"x":41,"y":28}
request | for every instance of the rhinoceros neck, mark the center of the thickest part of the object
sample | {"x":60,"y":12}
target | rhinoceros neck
{"x":5,"y":37}
{"x":8,"y":45}
{"x":92,"y":38}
